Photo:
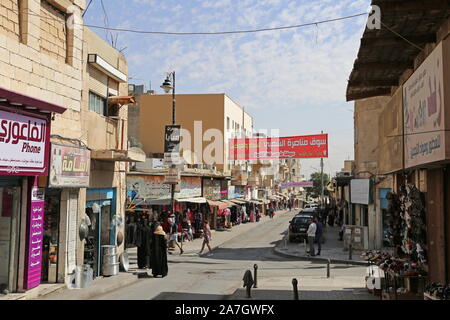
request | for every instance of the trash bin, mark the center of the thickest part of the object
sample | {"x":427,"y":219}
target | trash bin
{"x":110,"y":265}
{"x":83,"y":276}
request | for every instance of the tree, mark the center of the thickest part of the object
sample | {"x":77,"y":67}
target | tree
{"x":315,"y":191}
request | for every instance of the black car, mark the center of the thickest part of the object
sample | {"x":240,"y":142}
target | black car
{"x":298,"y":227}
{"x":309,"y":212}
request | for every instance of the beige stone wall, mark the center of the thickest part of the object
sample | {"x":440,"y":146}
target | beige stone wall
{"x":27,"y":70}
{"x":367,"y":112}
{"x":390,"y":155}
{"x":9,"y":19}
{"x":53,"y":32}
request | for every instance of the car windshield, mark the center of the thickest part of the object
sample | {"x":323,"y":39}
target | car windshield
{"x":300,"y":220}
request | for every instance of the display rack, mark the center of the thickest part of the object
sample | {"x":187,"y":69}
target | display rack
{"x":414,"y":286}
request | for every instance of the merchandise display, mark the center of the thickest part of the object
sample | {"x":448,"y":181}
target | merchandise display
{"x":436,"y":291}
{"x":406,"y":267}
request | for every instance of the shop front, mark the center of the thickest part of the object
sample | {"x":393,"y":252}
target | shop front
{"x":24,"y":162}
{"x":69,"y":171}
{"x":101,"y":213}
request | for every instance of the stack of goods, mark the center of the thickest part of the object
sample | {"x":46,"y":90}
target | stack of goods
{"x":396,"y":266}
{"x":438,"y":291}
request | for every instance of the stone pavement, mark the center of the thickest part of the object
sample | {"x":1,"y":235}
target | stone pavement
{"x":332,"y":249}
{"x":102,"y":285}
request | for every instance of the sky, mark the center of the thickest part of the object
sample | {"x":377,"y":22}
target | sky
{"x":293,"y":80}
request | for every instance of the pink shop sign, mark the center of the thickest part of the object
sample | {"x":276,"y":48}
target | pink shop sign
{"x":34,"y":245}
{"x":24,"y":145}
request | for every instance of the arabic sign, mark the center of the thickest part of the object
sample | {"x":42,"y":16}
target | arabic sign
{"x":70,"y":167}
{"x":423,"y":102}
{"x":172,"y":139}
{"x":312,"y":146}
{"x":153,"y":187}
{"x":360,"y":191}
{"x":172,"y":176}
{"x":304,"y":184}
{"x":35,"y":234}
{"x":24,"y":142}
{"x":212,"y":189}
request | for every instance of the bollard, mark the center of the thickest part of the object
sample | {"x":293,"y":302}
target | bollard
{"x":285,"y":243}
{"x":256,"y":275}
{"x":328,"y":268}
{"x":294,"y":284}
{"x":349,"y":252}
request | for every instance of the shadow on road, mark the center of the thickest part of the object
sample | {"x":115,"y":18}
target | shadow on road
{"x":261,"y":294}
{"x":257,"y":254}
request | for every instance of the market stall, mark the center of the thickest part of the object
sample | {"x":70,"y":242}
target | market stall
{"x":405,"y":267}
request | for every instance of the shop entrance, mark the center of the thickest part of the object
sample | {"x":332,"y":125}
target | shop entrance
{"x":10,"y":194}
{"x":50,"y":247}
{"x":102,"y":230}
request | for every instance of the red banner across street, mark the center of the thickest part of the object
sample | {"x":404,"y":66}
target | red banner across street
{"x":312,"y":146}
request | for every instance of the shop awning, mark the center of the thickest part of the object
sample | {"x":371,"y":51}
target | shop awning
{"x":27,"y":102}
{"x":231,"y":204}
{"x":238,"y":201}
{"x":193,"y":200}
{"x":121,"y":100}
{"x":219,"y":204}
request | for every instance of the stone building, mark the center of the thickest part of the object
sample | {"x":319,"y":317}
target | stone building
{"x":66,"y":89}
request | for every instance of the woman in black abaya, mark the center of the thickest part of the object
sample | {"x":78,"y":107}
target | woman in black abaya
{"x":159,"y":253}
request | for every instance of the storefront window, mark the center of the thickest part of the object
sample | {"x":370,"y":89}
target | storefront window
{"x":9,"y":208}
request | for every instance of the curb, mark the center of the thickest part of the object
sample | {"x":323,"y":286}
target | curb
{"x":325,"y":260}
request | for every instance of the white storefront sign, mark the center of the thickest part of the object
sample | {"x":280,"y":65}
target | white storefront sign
{"x":424,"y":111}
{"x":24,"y":143}
{"x":360,"y":191}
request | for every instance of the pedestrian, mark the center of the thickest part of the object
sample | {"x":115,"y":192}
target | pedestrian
{"x":174,"y":235}
{"x":311,"y":236}
{"x":290,"y":205}
{"x":206,"y":238}
{"x":271,"y":212}
{"x":319,"y":230}
{"x":159,"y":253}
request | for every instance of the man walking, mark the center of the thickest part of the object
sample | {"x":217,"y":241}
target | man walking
{"x":319,"y":229}
{"x":311,"y":236}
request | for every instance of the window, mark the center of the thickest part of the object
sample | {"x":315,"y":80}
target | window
{"x":97,"y":103}
{"x":228,"y":123}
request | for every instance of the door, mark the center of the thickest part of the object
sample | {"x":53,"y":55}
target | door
{"x":9,"y":213}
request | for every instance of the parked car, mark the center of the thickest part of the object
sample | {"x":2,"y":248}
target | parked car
{"x":309,"y":211}
{"x":311,"y":205}
{"x":298,"y":227}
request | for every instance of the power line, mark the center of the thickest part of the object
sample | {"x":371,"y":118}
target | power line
{"x":227,"y":32}
{"x":87,"y":8}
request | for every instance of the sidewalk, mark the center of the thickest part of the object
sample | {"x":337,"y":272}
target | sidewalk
{"x":332,"y":249}
{"x":102,"y":285}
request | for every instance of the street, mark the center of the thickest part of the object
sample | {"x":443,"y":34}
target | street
{"x":220,"y":276}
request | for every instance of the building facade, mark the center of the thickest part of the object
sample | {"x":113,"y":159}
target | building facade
{"x":413,"y":157}
{"x":68,"y":88}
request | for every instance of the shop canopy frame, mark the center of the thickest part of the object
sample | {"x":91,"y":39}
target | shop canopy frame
{"x":384,"y":56}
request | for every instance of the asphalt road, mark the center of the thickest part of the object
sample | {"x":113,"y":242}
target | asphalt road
{"x":220,"y":276}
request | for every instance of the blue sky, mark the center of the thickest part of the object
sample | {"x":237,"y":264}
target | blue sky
{"x":293,"y":80}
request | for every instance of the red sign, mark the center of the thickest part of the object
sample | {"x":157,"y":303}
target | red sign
{"x":312,"y":146}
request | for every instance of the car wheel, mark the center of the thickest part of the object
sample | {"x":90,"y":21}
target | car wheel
{"x":291,"y":239}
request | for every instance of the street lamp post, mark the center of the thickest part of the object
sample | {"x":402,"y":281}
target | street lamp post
{"x":167,"y":87}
